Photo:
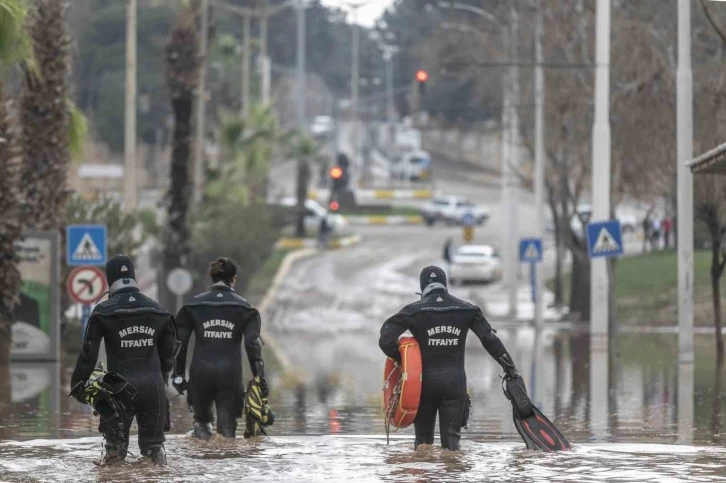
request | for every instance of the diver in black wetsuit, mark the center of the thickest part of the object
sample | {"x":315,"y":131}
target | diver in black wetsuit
{"x":440,"y":323}
{"x":219,"y":319}
{"x":140,"y":340}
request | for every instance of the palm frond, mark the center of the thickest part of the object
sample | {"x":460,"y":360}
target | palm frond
{"x":77,"y":130}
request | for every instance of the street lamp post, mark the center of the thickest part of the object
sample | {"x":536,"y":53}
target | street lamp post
{"x":130,"y":109}
{"x":355,"y":83}
{"x":510,"y":148}
{"x":539,"y":152}
{"x":685,"y":183}
{"x":301,"y":124}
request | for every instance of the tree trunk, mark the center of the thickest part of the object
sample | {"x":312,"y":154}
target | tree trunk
{"x":10,"y":227}
{"x":182,"y":58}
{"x":303,"y":180}
{"x":716,"y":400}
{"x":44,"y":116}
{"x":716,"y":271}
{"x":559,"y":254}
{"x":580,"y":285}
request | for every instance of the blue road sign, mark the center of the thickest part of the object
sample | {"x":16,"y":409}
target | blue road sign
{"x":530,"y":250}
{"x":605,"y":239}
{"x":86,"y":245}
{"x":468,"y":219}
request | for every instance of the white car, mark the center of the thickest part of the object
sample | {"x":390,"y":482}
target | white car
{"x":322,"y":126}
{"x":475,"y":263}
{"x":453,"y":210}
{"x":314,"y":214}
{"x":412,"y":166}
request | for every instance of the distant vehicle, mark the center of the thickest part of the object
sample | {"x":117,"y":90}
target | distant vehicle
{"x":475,"y":263}
{"x":314,"y":214}
{"x":452,"y":210}
{"x":414,"y":166}
{"x":322,"y":126}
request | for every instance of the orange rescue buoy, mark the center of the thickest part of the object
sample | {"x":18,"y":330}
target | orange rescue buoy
{"x":402,"y":384}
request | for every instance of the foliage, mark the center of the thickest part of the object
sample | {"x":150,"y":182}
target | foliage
{"x":44,"y":116}
{"x":77,"y":130}
{"x":245,"y":234}
{"x":248,"y":148}
{"x":102,"y":62}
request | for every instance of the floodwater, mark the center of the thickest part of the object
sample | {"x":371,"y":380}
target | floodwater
{"x":627,"y":428}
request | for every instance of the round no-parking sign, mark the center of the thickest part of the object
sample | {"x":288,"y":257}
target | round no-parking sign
{"x":86,"y":285}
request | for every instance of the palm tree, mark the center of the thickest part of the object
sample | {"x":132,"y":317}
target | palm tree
{"x":13,"y":48}
{"x":182,"y":74}
{"x":45,"y":117}
{"x":248,"y":148}
{"x":303,"y":149}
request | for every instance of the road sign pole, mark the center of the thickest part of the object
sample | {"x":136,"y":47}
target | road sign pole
{"x":533,"y":279}
{"x":86,"y":314}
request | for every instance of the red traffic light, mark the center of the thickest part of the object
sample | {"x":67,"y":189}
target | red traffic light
{"x":336,"y":172}
{"x":334,"y":206}
{"x":422,"y":76}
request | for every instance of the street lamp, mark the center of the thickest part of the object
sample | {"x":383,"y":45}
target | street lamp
{"x":510,"y":146}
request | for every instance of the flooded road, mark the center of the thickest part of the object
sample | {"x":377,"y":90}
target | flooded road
{"x":651,"y":420}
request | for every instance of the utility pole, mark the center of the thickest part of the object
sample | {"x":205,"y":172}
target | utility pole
{"x":539,"y":153}
{"x":510,"y":175}
{"x":599,"y":278}
{"x":201,"y":106}
{"x":685,"y":184}
{"x":130,"y":110}
{"x":246,"y":57}
{"x":685,"y":224}
{"x":390,"y":108}
{"x":265,"y":60}
{"x":301,"y":89}
{"x":355,"y":83}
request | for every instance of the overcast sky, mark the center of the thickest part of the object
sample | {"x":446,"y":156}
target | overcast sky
{"x":368,"y":13}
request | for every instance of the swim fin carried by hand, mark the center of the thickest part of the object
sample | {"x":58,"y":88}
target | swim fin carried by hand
{"x":536,"y":430}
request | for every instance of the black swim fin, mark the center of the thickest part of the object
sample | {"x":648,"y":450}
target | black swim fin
{"x":536,"y":430}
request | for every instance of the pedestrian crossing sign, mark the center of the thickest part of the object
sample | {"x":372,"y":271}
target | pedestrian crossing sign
{"x":530,"y":250}
{"x":605,"y":239}
{"x":86,"y":245}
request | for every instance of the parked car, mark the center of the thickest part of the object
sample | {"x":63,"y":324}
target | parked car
{"x":475,"y":263}
{"x":413,"y":166}
{"x":452,"y":210}
{"x":322,"y":126}
{"x":314,"y":214}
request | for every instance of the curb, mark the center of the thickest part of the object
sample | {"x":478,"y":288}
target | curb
{"x":385,"y":220}
{"x":285,"y":266}
{"x":300,"y":243}
{"x":380,"y":194}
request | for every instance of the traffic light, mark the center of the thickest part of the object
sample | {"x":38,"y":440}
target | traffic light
{"x":421,"y":78}
{"x":339,"y":177}
{"x":334,"y":206}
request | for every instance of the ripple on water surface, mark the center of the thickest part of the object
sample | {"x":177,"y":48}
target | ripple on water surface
{"x":335,"y":458}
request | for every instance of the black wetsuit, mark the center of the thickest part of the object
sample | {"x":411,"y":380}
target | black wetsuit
{"x":140,"y":339}
{"x":440,"y":323}
{"x":219,"y":320}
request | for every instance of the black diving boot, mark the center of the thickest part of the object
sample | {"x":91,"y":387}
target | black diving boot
{"x":202,"y":430}
{"x":156,"y":454}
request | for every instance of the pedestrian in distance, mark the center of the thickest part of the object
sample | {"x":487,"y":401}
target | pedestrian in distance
{"x":667,"y":230}
{"x":219,"y":319}
{"x":440,"y":323}
{"x":140,"y":339}
{"x":448,"y":254}
{"x":646,"y":232}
